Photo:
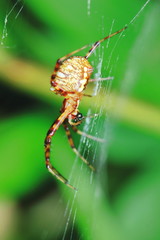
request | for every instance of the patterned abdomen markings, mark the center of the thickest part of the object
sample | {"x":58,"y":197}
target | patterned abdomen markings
{"x":73,"y":75}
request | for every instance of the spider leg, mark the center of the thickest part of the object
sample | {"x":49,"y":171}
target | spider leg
{"x":68,"y":133}
{"x":100,"y":79}
{"x":93,"y":47}
{"x":54,"y":127}
{"x":97,"y":80}
{"x":96,"y":44}
{"x":87,"y":95}
{"x":73,"y":52}
{"x":87,"y":135}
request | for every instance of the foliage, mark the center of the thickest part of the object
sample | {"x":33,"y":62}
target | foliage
{"x":123,"y":201}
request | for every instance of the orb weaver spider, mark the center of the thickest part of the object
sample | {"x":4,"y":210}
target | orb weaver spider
{"x":70,"y":77}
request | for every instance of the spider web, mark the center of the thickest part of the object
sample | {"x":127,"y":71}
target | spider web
{"x":93,"y":183}
{"x":10,"y":16}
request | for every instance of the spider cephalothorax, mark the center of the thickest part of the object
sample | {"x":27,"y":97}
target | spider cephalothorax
{"x":70,"y":77}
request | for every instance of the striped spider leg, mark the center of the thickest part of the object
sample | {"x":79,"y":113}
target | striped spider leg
{"x":68,"y":133}
{"x":70,"y":77}
{"x":47,"y":145}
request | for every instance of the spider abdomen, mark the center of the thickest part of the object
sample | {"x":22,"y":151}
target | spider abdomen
{"x":72,"y":75}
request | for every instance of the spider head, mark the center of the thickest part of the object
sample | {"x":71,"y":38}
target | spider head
{"x":75,"y":119}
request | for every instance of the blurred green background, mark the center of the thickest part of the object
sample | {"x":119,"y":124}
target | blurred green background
{"x":123,"y":200}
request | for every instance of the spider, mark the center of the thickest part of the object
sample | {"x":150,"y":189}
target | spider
{"x":70,"y":77}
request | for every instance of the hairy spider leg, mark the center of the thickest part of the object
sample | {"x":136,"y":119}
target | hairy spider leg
{"x":96,"y":44}
{"x":75,"y":129}
{"x":68,"y":133}
{"x":47,"y":145}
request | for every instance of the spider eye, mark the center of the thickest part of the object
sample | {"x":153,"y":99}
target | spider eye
{"x":75,"y":120}
{"x":79,"y":116}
